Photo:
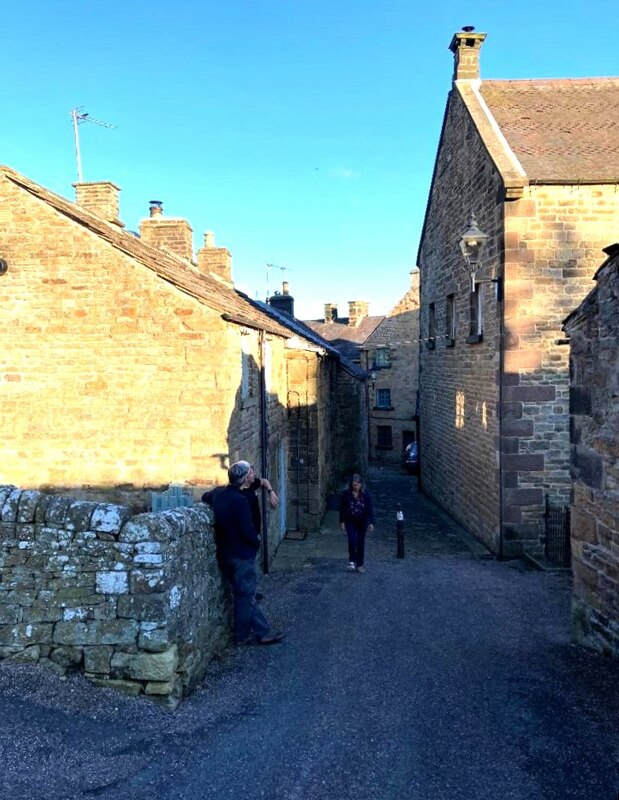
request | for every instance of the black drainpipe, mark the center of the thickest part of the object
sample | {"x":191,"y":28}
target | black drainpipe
{"x":264,"y":461}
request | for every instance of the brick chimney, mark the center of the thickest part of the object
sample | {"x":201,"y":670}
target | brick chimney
{"x":283,"y":302}
{"x":100,"y":198}
{"x":357,"y":311}
{"x":465,"y":45}
{"x":330,"y":312}
{"x":171,"y":233}
{"x":215,"y":260}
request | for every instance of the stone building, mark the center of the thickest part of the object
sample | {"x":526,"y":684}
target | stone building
{"x":593,"y":329}
{"x":537,"y":164}
{"x":346,"y":334}
{"x":128,"y":366}
{"x":390,"y":356}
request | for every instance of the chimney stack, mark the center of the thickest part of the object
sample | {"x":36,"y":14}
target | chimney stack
{"x":100,"y":198}
{"x":357,"y":311}
{"x":215,"y":260}
{"x":168,"y":233}
{"x":465,"y":45}
{"x":330,"y":312}
{"x":283,"y":302}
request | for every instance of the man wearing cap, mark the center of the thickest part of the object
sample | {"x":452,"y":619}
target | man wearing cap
{"x":237,"y":545}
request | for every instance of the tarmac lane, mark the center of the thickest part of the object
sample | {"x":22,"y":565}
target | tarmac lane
{"x":442,"y":675}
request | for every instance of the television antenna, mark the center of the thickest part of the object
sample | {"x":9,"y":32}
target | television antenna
{"x":274,"y":266}
{"x":79,"y":117}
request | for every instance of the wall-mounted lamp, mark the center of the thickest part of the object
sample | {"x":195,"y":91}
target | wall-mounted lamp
{"x":472,"y":244}
{"x":3,"y":266}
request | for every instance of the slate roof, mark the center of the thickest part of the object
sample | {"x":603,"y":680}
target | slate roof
{"x":561,"y":131}
{"x":345,"y":338}
{"x":303,"y":329}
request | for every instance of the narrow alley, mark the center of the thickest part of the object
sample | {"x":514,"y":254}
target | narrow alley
{"x":442,"y":675}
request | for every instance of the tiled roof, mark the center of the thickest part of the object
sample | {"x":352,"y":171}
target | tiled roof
{"x":347,"y":339}
{"x":303,"y":329}
{"x":182,"y":274}
{"x":561,"y":131}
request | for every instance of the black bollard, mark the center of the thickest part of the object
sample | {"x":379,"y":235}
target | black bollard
{"x":399,"y":530}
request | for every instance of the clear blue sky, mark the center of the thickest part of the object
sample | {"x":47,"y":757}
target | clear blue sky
{"x":302,"y":132}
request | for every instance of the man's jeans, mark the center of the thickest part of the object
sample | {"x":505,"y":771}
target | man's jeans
{"x":248,"y":618}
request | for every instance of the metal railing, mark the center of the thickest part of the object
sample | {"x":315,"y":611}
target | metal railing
{"x":557,"y":549}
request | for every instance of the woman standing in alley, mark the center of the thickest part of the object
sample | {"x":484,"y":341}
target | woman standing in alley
{"x":356,"y":519}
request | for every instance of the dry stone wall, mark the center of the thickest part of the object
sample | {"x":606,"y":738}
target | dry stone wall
{"x":135,"y":602}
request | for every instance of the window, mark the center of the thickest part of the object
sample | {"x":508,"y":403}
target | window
{"x":383,"y":437}
{"x":450,"y":320}
{"x":383,"y":398}
{"x":431,"y":326}
{"x":382,"y":357}
{"x":476,"y":329}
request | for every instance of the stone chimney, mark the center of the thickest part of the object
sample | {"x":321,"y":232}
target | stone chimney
{"x":215,"y":260}
{"x":100,"y":198}
{"x":330,"y":312}
{"x":357,"y":311}
{"x":283,"y":302}
{"x":171,"y":233}
{"x":465,"y":45}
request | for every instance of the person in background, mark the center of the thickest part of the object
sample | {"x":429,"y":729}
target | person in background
{"x":237,"y":544}
{"x":356,"y":519}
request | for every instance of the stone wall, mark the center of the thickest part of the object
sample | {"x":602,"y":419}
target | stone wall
{"x":594,"y":407}
{"x":494,"y":426}
{"x":398,"y":333}
{"x":96,"y":337}
{"x":133,"y":602}
{"x":554,"y":236}
{"x":459,"y":377}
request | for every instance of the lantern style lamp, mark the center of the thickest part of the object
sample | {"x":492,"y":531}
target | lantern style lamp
{"x":472,"y":244}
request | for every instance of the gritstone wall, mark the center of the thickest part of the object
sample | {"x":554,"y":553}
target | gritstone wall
{"x":133,"y":602}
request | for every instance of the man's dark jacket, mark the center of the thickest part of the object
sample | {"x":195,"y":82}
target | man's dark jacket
{"x":234,"y":530}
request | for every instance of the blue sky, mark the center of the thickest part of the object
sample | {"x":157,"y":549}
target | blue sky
{"x":302,"y":132}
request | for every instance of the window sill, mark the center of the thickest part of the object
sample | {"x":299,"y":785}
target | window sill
{"x":475,"y":338}
{"x":383,"y":408}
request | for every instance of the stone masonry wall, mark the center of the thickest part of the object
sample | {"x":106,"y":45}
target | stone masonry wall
{"x":594,"y":406}
{"x":459,"y":378}
{"x":133,"y":602}
{"x":399,"y":333}
{"x":95,"y":339}
{"x":554,"y":237}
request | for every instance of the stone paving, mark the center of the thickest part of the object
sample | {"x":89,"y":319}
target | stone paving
{"x":428,"y":531}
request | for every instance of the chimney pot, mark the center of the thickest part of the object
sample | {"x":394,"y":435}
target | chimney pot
{"x":155,"y":208}
{"x":283,"y":302}
{"x":215,"y":260}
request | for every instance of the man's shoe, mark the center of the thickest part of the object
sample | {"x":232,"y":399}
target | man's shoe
{"x":351,"y":566}
{"x":273,"y":638}
{"x":360,"y":569}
